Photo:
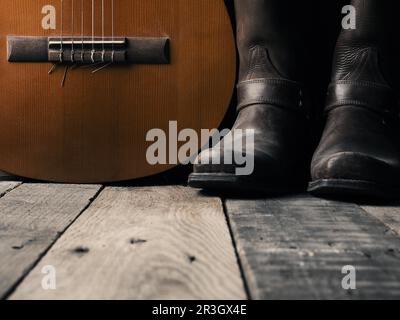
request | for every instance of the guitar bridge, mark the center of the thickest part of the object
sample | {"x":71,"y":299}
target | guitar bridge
{"x":134,"y":50}
{"x":87,"y":51}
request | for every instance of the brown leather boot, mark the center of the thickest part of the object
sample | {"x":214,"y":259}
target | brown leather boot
{"x":359,"y":154}
{"x":271,"y":48}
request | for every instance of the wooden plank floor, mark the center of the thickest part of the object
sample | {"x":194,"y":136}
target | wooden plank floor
{"x":173,"y":242}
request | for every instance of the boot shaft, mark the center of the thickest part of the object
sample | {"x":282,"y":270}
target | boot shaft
{"x":271,"y":32}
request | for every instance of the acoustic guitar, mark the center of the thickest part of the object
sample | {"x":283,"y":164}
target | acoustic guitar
{"x":83,"y":82}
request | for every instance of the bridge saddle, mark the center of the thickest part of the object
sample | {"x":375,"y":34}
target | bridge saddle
{"x":87,"y":51}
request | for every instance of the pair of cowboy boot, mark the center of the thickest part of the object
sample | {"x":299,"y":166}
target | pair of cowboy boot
{"x":359,"y":152}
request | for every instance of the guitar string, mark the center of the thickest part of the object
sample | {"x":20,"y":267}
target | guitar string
{"x":54,"y":66}
{"x":72,"y":66}
{"x":93,"y":46}
{"x":72,"y":30}
{"x":112,"y":32}
{"x":93,"y":52}
{"x":61,"y":59}
{"x":74,"y":63}
{"x":62,"y":31}
{"x":82,"y":30}
{"x":105,"y":65}
{"x":102,"y":28}
{"x":112,"y":27}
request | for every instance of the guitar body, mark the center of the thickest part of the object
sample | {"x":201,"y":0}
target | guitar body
{"x":93,"y":128}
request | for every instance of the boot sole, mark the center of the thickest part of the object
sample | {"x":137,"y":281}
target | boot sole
{"x":231,"y":183}
{"x":342,"y":188}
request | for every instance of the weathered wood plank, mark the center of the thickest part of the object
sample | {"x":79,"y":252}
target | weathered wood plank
{"x":389,"y":215}
{"x":143,"y":243}
{"x":31,"y":219}
{"x":296,"y":247}
{"x":7,"y":186}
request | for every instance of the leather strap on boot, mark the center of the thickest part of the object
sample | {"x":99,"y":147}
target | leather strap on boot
{"x":278,"y":92}
{"x":376,"y":97}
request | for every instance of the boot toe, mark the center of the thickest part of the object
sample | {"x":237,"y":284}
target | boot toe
{"x":353,"y":166}
{"x":212,"y":161}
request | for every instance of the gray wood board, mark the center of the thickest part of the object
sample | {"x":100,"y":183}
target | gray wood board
{"x":143,"y":243}
{"x":296,"y":247}
{"x":31,"y":218}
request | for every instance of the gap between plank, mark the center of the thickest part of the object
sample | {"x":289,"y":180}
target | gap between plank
{"x":239,"y":262}
{"x":18,"y":184}
{"x":14,"y":287}
{"x":387,"y":226}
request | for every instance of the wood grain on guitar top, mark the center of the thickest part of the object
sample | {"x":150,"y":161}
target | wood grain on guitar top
{"x":94,"y":128}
